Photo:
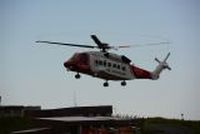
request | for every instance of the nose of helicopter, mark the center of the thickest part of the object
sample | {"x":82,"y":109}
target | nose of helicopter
{"x":68,"y":64}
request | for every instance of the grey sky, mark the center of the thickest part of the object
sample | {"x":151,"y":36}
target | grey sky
{"x":32,"y":74}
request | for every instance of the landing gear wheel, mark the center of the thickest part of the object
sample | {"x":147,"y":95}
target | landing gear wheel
{"x":105,"y":84}
{"x":77,"y":76}
{"x":123,"y":83}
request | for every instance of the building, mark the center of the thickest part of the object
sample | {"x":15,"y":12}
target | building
{"x":16,"y":111}
{"x":79,"y":120}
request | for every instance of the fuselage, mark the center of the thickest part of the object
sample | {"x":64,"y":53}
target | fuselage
{"x":108,"y":66}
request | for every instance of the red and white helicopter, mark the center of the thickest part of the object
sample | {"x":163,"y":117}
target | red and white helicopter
{"x":108,"y":66}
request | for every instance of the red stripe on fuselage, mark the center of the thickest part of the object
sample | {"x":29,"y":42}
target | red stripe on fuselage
{"x":140,"y":73}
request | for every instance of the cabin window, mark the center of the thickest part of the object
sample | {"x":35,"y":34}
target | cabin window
{"x":109,"y":64}
{"x":96,"y":62}
{"x":104,"y":63}
{"x":100,"y":62}
{"x":124,"y":68}
{"x":114,"y":65}
{"x":118,"y":66}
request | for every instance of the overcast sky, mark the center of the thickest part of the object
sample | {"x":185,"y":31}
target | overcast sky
{"x":33,"y":74}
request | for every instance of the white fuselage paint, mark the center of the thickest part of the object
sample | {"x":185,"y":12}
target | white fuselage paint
{"x":109,"y":67}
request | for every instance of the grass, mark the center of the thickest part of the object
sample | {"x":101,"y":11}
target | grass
{"x":148,"y":125}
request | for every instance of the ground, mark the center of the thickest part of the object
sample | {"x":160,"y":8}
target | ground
{"x":147,"y":125}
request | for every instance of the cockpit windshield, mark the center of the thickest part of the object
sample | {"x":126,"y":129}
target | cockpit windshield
{"x":73,"y":57}
{"x":80,"y":58}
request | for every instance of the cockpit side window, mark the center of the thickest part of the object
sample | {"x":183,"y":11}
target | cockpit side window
{"x":83,"y":58}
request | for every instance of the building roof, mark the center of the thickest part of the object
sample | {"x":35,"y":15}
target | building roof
{"x":85,"y":120}
{"x":81,"y":118}
{"x":13,"y":107}
{"x":19,"y":107}
{"x":105,"y":110}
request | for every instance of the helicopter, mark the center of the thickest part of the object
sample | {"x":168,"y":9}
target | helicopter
{"x":106,"y":65}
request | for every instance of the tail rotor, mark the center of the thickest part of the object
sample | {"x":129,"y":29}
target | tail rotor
{"x":161,"y":66}
{"x":164,"y":63}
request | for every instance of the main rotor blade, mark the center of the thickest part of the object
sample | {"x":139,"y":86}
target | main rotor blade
{"x":66,"y":44}
{"x":96,"y":40}
{"x":142,"y":45}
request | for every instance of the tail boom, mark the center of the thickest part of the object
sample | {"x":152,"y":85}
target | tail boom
{"x":140,"y":73}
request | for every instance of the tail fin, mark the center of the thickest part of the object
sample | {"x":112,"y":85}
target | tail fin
{"x":161,"y":66}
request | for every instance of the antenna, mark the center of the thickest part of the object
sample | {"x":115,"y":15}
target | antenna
{"x":182,"y":116}
{"x":74,"y":99}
